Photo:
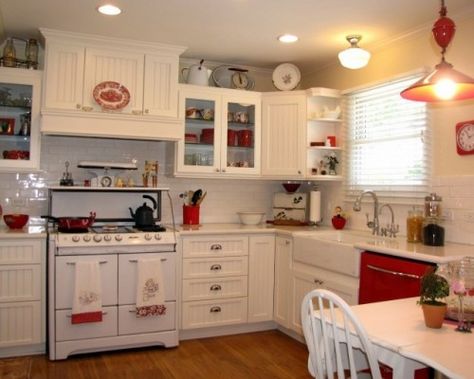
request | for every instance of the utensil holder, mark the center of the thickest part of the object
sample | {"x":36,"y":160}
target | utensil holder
{"x":190,"y":214}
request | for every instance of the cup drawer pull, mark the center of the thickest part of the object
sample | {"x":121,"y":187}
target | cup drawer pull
{"x":216,"y":267}
{"x":136,"y":260}
{"x":215,"y":287}
{"x":216,"y":246}
{"x":215,"y":309}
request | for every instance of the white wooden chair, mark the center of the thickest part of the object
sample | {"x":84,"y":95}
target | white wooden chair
{"x":330,"y":345}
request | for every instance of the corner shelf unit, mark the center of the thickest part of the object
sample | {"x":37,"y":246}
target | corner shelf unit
{"x":319,"y":127}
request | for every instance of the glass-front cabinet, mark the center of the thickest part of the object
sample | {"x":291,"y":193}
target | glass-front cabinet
{"x":19,"y":119}
{"x":222,"y":132}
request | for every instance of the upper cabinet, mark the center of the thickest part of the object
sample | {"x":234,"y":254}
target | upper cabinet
{"x":20,"y":92}
{"x":283,"y":134}
{"x":324,"y":137}
{"x":141,"y":102}
{"x":222,"y":134}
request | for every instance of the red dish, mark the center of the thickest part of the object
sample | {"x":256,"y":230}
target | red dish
{"x":16,"y":220}
{"x":111,"y":95}
{"x":207,"y":136}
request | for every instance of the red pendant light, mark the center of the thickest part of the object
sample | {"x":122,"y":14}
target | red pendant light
{"x":444,"y":83}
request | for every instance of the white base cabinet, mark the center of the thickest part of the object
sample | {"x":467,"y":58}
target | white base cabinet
{"x":282,"y":295}
{"x":227,"y":280}
{"x":22,"y":296}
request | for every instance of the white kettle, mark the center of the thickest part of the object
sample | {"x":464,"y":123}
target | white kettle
{"x":197,"y":74}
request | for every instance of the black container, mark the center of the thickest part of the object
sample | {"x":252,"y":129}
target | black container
{"x":433,"y":232}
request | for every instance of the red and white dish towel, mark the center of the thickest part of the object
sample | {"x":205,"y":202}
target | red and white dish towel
{"x":87,"y":302}
{"x":150,"y":289}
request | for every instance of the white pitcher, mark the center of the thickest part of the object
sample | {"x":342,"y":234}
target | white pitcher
{"x":197,"y":74}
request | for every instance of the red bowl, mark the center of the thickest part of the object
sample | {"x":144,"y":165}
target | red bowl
{"x":291,"y":187}
{"x":16,"y":221}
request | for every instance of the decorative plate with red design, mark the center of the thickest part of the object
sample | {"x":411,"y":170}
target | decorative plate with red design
{"x":111,"y":95}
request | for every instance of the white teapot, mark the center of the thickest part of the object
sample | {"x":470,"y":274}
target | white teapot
{"x":197,"y":74}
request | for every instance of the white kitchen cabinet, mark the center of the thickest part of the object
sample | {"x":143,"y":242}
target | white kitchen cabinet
{"x":22,"y":296}
{"x":222,"y":132}
{"x":306,"y":278}
{"x":215,"y":284}
{"x":20,"y":92}
{"x":282,"y":295}
{"x":75,"y":64}
{"x":283,"y":134}
{"x":261,"y":277}
{"x":320,"y":102}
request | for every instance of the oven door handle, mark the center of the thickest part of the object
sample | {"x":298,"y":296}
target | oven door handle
{"x":396,"y":273}
{"x":136,"y":260}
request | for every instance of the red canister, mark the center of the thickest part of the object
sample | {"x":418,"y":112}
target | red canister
{"x":207,"y":136}
{"x":231,"y":137}
{"x":245,"y":138}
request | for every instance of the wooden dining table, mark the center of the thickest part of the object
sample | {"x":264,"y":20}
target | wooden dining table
{"x":403,"y":342}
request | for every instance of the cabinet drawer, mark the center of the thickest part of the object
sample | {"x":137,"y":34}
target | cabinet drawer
{"x":65,"y":274}
{"x":65,"y":331}
{"x":20,"y":282}
{"x":20,"y":323}
{"x":129,"y":323}
{"x":210,"y":246}
{"x":128,"y":275}
{"x":202,"y":289}
{"x":20,"y":252}
{"x":215,"y":267}
{"x":200,"y":314}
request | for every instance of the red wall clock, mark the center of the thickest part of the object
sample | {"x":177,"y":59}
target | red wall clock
{"x":465,"y":137}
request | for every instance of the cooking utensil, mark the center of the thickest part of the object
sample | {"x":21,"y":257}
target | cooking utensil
{"x":73,"y":224}
{"x":196,"y":196}
{"x":200,"y":200}
{"x":144,"y":215}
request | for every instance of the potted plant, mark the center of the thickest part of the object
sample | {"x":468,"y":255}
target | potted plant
{"x":434,"y":288}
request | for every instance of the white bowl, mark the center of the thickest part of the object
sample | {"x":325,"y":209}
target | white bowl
{"x":251,"y":218}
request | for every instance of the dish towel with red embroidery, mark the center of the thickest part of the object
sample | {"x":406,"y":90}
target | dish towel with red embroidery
{"x":150,"y":289}
{"x":87,"y":302}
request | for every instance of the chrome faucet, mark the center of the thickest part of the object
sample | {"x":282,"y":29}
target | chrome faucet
{"x":391,"y":230}
{"x":374,"y":224}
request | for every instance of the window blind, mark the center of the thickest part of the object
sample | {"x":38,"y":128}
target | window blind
{"x":388,"y":143}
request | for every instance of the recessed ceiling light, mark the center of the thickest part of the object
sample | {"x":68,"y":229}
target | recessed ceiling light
{"x":287,"y":38}
{"x":109,"y":10}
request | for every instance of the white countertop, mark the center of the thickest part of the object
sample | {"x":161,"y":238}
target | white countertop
{"x":33,"y":231}
{"x":240,"y":228}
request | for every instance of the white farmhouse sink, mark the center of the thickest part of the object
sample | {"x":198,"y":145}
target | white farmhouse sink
{"x":331,"y":250}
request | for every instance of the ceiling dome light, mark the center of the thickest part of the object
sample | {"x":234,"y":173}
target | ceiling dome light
{"x":109,"y":10}
{"x":287,"y":38}
{"x":444,"y":83}
{"x":354,"y":57}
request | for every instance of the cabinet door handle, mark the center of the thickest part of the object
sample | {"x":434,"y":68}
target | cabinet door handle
{"x":396,"y":273}
{"x":136,"y":260}
{"x":217,"y":170}
{"x":147,"y":111}
{"x":215,"y":309}
{"x":223,"y":170}
{"x":78,"y":106}
{"x":318,"y":281}
{"x":299,"y":172}
{"x":216,"y":246}
{"x":215,"y":287}
{"x":287,"y":242}
{"x":216,"y":267}
{"x":73,"y":263}
{"x":137,"y":112}
{"x":87,"y":109}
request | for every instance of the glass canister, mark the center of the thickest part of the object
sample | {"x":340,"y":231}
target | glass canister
{"x":433,"y":205}
{"x":414,"y":225}
{"x":433,"y":232}
{"x":9,"y":54}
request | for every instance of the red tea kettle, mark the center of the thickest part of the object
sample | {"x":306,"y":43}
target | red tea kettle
{"x":144,"y":215}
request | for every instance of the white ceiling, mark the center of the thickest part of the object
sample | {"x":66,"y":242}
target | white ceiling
{"x":235,"y":31}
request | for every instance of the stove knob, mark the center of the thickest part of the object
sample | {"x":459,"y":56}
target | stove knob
{"x":86,"y":238}
{"x":107,"y":238}
{"x":118,"y":237}
{"x":158,"y":236}
{"x":97,"y":238}
{"x":148,"y":237}
{"x":76,"y":238}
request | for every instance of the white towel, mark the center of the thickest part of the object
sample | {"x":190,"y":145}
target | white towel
{"x":150,"y":289}
{"x":87,"y":302}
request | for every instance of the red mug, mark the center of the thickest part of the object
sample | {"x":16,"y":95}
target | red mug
{"x":332,"y":140}
{"x":190,"y":214}
{"x":245,"y":138}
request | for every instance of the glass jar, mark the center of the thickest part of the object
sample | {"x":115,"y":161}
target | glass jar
{"x":31,"y":53}
{"x":414,"y":225}
{"x":9,"y":54}
{"x":433,"y":205}
{"x":433,"y":232}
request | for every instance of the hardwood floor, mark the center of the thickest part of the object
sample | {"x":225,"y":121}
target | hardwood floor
{"x":269,"y":354}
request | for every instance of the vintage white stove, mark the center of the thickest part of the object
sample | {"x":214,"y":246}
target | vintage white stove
{"x":117,"y":245}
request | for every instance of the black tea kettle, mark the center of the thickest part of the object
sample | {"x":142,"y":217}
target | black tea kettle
{"x":144,"y":215}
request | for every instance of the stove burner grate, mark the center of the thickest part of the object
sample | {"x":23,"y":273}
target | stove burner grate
{"x":151,"y":228}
